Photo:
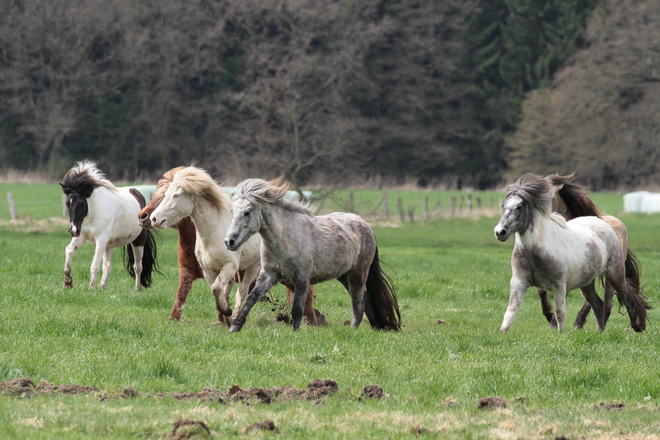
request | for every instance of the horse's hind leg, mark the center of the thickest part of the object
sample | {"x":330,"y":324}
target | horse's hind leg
{"x":138,"y":253}
{"x":608,"y":297}
{"x":356,"y":283}
{"x":546,"y":308}
{"x":590,"y":294}
{"x":107,"y":267}
{"x":581,"y":317}
{"x":299,"y":299}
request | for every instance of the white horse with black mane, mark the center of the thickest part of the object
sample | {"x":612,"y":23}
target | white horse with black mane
{"x":104,"y":215}
{"x":553,"y":254}
{"x":299,"y":248}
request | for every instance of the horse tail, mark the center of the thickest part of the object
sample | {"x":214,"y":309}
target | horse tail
{"x":149,"y":257}
{"x":381,"y":298}
{"x":636,"y":293}
{"x":575,"y":197}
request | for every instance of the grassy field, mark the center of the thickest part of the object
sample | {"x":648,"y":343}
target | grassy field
{"x":433,"y":374}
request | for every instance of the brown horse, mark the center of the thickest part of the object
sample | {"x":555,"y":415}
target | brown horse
{"x":189,"y":268}
{"x":571,"y":201}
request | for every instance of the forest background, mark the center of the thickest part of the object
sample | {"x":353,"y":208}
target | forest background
{"x":453,"y":93}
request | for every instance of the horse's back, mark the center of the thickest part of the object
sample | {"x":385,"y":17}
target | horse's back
{"x":116,"y":214}
{"x":341,"y":242}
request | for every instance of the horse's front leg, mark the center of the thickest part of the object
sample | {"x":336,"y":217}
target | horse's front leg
{"x":219,"y":289}
{"x":265,"y":281}
{"x":244,"y":286}
{"x":75,"y":244}
{"x":518,"y":287}
{"x":560,"y":306}
{"x":299,"y":299}
{"x":96,"y":262}
{"x":107,"y":267}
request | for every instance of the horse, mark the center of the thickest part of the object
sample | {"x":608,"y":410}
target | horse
{"x":104,"y":215}
{"x":572,"y":200}
{"x":189,"y":268}
{"x":300,"y":249}
{"x":558,"y":255}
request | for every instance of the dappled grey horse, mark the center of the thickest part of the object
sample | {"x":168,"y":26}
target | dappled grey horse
{"x":299,"y":248}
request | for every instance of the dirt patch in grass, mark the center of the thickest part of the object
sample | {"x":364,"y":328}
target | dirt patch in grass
{"x":610,"y":406}
{"x":372,"y":391}
{"x":266,"y":425}
{"x":25,"y":387}
{"x":316,"y":390}
{"x":190,"y":429}
{"x":491,"y":403}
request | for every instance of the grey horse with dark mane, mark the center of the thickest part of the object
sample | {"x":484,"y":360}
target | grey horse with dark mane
{"x":299,"y":248}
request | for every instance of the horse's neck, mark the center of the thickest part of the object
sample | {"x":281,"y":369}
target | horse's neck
{"x":272,"y":226}
{"x":101,"y":200}
{"x":211,"y":223}
{"x":540,"y":234}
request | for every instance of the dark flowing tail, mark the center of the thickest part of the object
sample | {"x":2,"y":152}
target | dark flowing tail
{"x":636,"y":291}
{"x":149,"y":258}
{"x":380,"y":297}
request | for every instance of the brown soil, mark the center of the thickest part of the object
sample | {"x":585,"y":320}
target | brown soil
{"x":266,"y":425}
{"x":26,"y":388}
{"x":316,"y":390}
{"x":189,"y":429}
{"x":372,"y":391}
{"x":492,"y":402}
{"x":561,"y":437}
{"x":611,"y":406}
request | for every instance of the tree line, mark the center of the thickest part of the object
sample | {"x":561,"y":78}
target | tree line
{"x":333,"y":91}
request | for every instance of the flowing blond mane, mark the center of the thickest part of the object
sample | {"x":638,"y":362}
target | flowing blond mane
{"x":197,"y":182}
{"x":259,"y":191}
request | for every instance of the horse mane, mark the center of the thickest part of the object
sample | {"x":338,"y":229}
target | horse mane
{"x":575,"y":197}
{"x":534,"y":190}
{"x":84,"y":178}
{"x":197,"y":182}
{"x":168,"y":176}
{"x":259,"y":191}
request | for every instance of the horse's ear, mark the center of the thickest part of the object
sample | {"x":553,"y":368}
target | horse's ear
{"x":556,"y":189}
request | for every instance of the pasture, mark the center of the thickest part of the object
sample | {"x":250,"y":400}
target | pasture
{"x":433,"y":374}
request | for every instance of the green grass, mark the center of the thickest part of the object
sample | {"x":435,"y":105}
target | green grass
{"x":449,"y":269}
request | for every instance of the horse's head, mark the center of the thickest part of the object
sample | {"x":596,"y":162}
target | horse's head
{"x":245,"y":222}
{"x":144,"y":217}
{"x":527,"y":197}
{"x":76,"y":205}
{"x":175,"y":205}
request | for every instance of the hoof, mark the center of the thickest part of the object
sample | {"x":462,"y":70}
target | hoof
{"x":174,"y":318}
{"x":234,"y":329}
{"x":68,"y":285}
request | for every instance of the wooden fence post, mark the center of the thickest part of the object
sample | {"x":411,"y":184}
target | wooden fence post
{"x":438,"y":206}
{"x":478,"y":202}
{"x":402,"y":214}
{"x":12,"y":208}
{"x":469,"y":202}
{"x":411,"y":211}
{"x":460,"y":207}
{"x":453,"y":205}
{"x":426,"y":208}
{"x":387,"y":204}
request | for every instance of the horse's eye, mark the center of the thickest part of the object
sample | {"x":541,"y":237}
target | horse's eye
{"x":518,"y":208}
{"x":246,"y":213}
{"x":175,"y":196}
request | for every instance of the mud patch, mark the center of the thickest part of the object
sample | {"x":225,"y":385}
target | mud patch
{"x":190,"y":429}
{"x":25,"y":387}
{"x":372,"y":391}
{"x":491,"y":403}
{"x":206,"y":395}
{"x":610,"y":406}
{"x":266,"y":425}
